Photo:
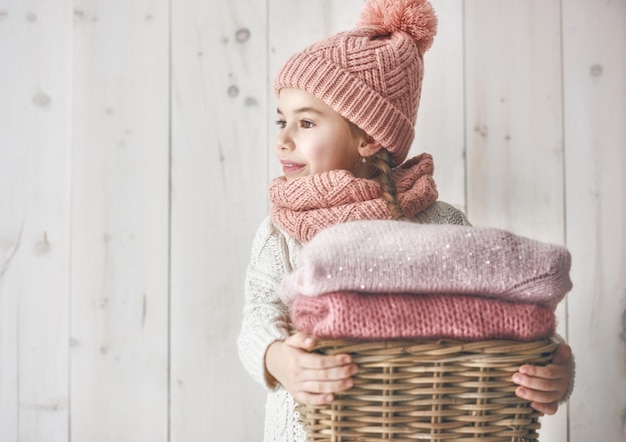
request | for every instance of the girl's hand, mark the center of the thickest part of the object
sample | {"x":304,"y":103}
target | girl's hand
{"x":546,"y":386}
{"x":310,"y":378}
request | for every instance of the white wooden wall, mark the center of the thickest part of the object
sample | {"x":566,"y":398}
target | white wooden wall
{"x":135,"y":149}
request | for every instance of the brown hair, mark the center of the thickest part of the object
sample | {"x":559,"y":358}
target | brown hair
{"x":382,"y":168}
{"x":381,"y":162}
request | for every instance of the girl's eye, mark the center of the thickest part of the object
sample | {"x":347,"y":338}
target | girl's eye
{"x":306,"y":124}
{"x":281,"y":123}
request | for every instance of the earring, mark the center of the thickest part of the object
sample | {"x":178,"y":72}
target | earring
{"x":363,"y":160}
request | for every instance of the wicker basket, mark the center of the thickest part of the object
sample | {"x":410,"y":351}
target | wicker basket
{"x":434,"y":391}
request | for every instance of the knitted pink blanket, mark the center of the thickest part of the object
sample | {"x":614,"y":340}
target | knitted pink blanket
{"x":362,"y":316}
{"x":384,"y":256}
{"x":306,"y":205}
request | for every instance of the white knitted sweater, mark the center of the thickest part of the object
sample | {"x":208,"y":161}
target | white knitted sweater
{"x":275,"y":253}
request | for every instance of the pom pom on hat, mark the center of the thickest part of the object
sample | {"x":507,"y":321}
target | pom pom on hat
{"x":371,"y":75}
{"x":415,"y":17}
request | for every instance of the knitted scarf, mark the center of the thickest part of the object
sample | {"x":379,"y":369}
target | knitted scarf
{"x":306,"y":205}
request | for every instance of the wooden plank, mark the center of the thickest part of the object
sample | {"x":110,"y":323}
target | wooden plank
{"x":594,"y":57}
{"x":120,"y":212}
{"x":219,"y":177}
{"x":12,"y":166}
{"x":514,"y":128}
{"x":35,"y":48}
{"x":514,"y":117}
{"x":441,"y":116}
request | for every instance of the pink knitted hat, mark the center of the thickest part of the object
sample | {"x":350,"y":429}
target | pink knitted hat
{"x":371,"y":75}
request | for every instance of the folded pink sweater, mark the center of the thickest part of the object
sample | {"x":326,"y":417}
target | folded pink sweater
{"x":373,"y":316}
{"x":384,"y":256}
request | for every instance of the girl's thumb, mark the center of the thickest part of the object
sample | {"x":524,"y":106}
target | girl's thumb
{"x":302,"y":341}
{"x":562,"y":354}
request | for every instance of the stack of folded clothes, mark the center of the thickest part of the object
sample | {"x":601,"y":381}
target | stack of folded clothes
{"x":395,"y":279}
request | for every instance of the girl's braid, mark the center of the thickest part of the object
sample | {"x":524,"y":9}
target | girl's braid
{"x":381,"y":161}
{"x":387,"y":184}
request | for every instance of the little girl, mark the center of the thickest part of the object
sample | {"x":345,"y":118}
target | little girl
{"x":347,"y":107}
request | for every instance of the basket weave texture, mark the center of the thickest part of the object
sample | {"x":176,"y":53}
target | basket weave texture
{"x":429,"y":391}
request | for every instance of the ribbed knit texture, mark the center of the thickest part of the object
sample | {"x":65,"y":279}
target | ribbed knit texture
{"x":306,"y":205}
{"x":371,"y":75}
{"x":384,"y":256}
{"x":375,"y":316}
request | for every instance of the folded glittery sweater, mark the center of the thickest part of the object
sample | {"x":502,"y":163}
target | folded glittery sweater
{"x":373,"y":316}
{"x":385,"y":256}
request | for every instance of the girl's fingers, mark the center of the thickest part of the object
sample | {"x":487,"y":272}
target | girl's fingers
{"x":327,"y":386}
{"x":548,"y":409}
{"x":535,"y":383}
{"x":329,"y":374}
{"x":544,"y":386}
{"x":301,"y":341}
{"x":544,"y":397}
{"x":321,"y":392}
{"x":551,"y":371}
{"x":308,"y":398}
{"x":312,"y":378}
{"x":326,"y":380}
{"x":314,"y":360}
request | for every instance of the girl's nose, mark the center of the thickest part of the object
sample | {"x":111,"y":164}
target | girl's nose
{"x":284,"y":142}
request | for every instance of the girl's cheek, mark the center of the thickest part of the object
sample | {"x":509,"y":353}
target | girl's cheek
{"x":318,"y":155}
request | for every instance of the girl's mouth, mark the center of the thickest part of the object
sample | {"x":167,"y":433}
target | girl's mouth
{"x":290,"y":167}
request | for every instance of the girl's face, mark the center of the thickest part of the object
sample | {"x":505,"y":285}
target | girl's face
{"x":312,"y":137}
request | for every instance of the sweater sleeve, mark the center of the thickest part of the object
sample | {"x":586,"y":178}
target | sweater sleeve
{"x":570,"y":385}
{"x":441,"y":213}
{"x":265,"y":317}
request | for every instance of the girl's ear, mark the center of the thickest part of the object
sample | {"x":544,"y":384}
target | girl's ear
{"x":369,"y":147}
